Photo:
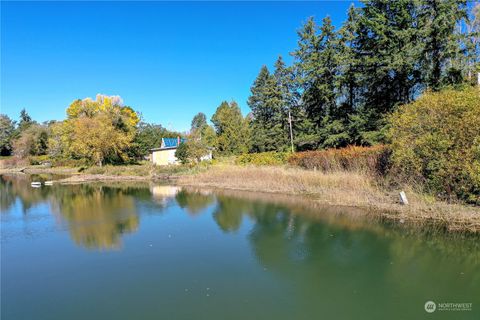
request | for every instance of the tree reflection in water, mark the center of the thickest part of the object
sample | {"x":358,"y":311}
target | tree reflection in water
{"x":315,"y":253}
{"x":314,"y":256}
{"x":285,"y":233}
{"x":96,"y":215}
{"x":194,"y":201}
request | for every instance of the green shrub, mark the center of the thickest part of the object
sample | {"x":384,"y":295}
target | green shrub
{"x":263,"y":159}
{"x":36,"y":160}
{"x":182,"y":153}
{"x":436,"y":140}
{"x":122,"y":170}
{"x":72,"y":163}
{"x":366,"y":159}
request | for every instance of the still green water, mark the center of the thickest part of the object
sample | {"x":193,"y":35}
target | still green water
{"x":140,"y":251}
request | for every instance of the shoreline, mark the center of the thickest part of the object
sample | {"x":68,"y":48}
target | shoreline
{"x":347,"y":189}
{"x":402,"y":215}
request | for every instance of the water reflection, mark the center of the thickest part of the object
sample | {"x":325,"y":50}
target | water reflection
{"x":284,"y":230}
{"x":95,"y":215}
{"x":350,"y":257}
{"x":161,"y":194}
{"x":195,"y":201}
{"x":316,"y":259}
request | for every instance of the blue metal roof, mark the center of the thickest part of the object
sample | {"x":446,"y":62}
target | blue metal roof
{"x":172,"y":142}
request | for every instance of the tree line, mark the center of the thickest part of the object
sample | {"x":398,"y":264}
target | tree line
{"x":344,"y":82}
{"x":341,"y":87}
{"x":97,"y":131}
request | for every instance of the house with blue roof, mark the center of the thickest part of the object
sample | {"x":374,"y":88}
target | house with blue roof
{"x":165,"y":155}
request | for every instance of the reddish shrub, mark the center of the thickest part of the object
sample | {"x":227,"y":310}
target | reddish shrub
{"x":13,"y":162}
{"x":369,"y":159}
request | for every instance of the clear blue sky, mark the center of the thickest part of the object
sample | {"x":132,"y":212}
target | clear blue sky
{"x":166,"y":60}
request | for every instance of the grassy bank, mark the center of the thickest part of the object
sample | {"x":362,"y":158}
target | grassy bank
{"x":354,"y":188}
{"x":340,"y":188}
{"x":142,"y":171}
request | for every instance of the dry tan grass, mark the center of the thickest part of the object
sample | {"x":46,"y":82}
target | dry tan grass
{"x":12,"y":163}
{"x":340,"y":188}
{"x":346,"y":187}
{"x":353,"y":189}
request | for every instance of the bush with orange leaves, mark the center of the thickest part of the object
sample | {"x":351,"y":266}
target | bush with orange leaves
{"x":371,"y":160}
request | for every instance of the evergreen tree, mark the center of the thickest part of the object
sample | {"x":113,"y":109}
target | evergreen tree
{"x":441,"y":45}
{"x":269,"y":110}
{"x":25,"y":120}
{"x":389,"y":43}
{"x":317,"y":68}
{"x":233,"y":132}
{"x":305,"y":136}
{"x":344,"y":84}
{"x":285,"y":80}
{"x":348,"y":82}
{"x":257,"y":99}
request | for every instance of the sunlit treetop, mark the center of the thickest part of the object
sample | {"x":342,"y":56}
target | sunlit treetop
{"x":103,"y":104}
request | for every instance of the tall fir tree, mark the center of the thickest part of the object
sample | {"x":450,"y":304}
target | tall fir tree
{"x":25,"y":120}
{"x":348,"y":82}
{"x":389,"y":45}
{"x":317,"y":67}
{"x":285,"y":80}
{"x":438,"y":21}
{"x":269,"y":112}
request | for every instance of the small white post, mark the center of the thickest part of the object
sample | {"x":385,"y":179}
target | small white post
{"x":403,"y":198}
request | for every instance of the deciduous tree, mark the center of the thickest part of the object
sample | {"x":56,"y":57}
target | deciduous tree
{"x":98,"y":140}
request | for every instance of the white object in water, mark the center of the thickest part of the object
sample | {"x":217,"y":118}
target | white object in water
{"x":48,"y":183}
{"x":36,"y":184}
{"x":403,"y":198}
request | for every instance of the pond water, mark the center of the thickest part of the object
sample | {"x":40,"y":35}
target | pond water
{"x":145,"y":251}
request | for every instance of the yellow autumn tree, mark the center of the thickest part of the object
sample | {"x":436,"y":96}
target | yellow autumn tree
{"x":109,"y":105}
{"x":99,"y":131}
{"x":60,"y":139}
{"x":98,"y":140}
